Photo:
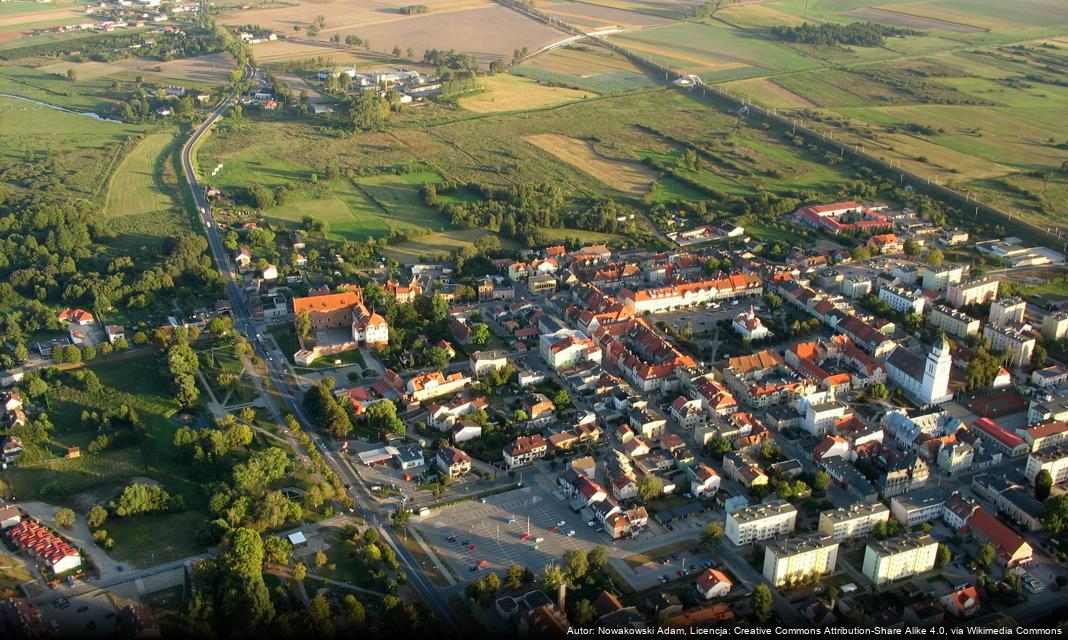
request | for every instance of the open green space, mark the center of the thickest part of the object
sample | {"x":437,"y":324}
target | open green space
{"x":137,"y":186}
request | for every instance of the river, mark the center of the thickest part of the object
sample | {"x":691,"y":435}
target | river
{"x":87,"y":114}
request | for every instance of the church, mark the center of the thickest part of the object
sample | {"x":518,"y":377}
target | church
{"x":924,"y":380}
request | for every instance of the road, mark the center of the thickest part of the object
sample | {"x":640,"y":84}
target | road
{"x":276,"y":379}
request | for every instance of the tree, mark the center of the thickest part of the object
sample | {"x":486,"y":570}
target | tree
{"x":1038,"y":357}
{"x":650,"y":487}
{"x":65,"y":518}
{"x":878,"y":391}
{"x":576,"y":564}
{"x":320,"y":559}
{"x":597,"y":558}
{"x":1043,"y":484}
{"x":303,"y":323}
{"x":944,"y":556}
{"x":320,"y":618}
{"x":584,"y":614}
{"x":821,"y":481}
{"x":551,"y":578}
{"x":480,"y":334}
{"x":761,"y":603}
{"x":984,"y":555}
{"x":368,"y":112}
{"x":382,"y":417}
{"x":97,"y":516}
{"x":353,"y":609}
{"x":711,"y":535}
{"x":300,"y":571}
{"x":935,"y":257}
{"x":71,"y":75}
{"x":561,"y":399}
{"x":513,"y":580}
{"x":719,"y":446}
{"x":912,"y":247}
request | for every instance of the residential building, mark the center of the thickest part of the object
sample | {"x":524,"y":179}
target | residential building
{"x":853,"y":522}
{"x":1055,"y":326}
{"x":713,"y":584}
{"x":704,"y":481}
{"x":1045,"y":434}
{"x":1017,"y":344}
{"x":956,"y":457}
{"x":760,"y":522}
{"x":941,"y":277}
{"x":525,"y":450}
{"x":47,"y":548}
{"x":915,"y":508}
{"x":453,"y":462}
{"x":903,"y":301}
{"x":789,"y":560}
{"x":885,"y":244}
{"x":1050,"y":377}
{"x":1007,"y":311}
{"x":962,"y":603}
{"x":483,"y":362}
{"x":901,"y":557}
{"x":956,"y":511}
{"x":541,"y":284}
{"x":566,"y":348}
{"x":1053,"y":459}
{"x":435,"y":384}
{"x":748,"y":325}
{"x":692,"y":293}
{"x":953,"y":322}
{"x":971,"y":293}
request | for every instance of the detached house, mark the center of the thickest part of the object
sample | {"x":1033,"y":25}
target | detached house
{"x":525,"y":450}
{"x":453,"y":462}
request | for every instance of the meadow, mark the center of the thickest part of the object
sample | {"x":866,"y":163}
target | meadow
{"x":584,"y":67}
{"x":136,"y":188}
{"x":507,"y":92}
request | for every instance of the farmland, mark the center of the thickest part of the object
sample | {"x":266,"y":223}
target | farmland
{"x":584,"y":67}
{"x":506,"y":92}
{"x":624,"y":175}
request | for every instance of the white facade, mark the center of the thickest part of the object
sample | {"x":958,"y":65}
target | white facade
{"x":797,"y":558}
{"x":761,"y":521}
{"x":1017,"y":344}
{"x":855,"y":521}
{"x":899,"y":558}
{"x":1007,"y":311}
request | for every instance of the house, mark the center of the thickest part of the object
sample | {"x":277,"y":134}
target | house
{"x":49,"y":549}
{"x":114,"y":332}
{"x":10,"y":515}
{"x":453,"y":462}
{"x":483,"y":362}
{"x":76,"y":316}
{"x":962,"y":603}
{"x":10,"y":448}
{"x":270,"y":272}
{"x":885,"y":244}
{"x":538,"y":408}
{"x":713,"y":584}
{"x":525,"y":450}
{"x":704,"y":481}
{"x":243,"y":258}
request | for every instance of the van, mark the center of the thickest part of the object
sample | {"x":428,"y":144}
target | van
{"x":539,"y":539}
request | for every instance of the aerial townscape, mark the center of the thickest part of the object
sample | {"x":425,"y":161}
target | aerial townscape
{"x":533,"y":318}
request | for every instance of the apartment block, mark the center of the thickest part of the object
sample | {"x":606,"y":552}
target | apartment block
{"x":1007,"y":311}
{"x":761,"y":521}
{"x":790,"y":560}
{"x":1017,"y":344}
{"x":974,"y":292}
{"x":1053,"y":459}
{"x":952,"y":321}
{"x":900,"y":557}
{"x":855,"y":521}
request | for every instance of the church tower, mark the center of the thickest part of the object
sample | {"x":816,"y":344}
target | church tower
{"x":935,"y":387}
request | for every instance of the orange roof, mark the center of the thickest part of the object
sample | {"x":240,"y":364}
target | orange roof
{"x":327,"y":303}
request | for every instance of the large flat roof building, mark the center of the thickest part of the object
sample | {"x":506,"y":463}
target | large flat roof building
{"x":855,"y":521}
{"x":761,"y":521}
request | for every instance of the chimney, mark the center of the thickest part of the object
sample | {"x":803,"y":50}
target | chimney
{"x":561,"y":597}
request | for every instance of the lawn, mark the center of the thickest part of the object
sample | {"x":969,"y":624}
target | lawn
{"x":136,"y":188}
{"x":12,"y":571}
{"x":149,"y":539}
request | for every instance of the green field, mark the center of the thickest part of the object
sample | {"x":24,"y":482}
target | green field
{"x":136,"y":188}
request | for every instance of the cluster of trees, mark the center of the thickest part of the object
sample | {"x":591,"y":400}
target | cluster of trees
{"x":51,"y":252}
{"x":861,"y":34}
{"x":459,"y":83}
{"x":116,"y":427}
{"x":141,"y":498}
{"x":182,"y":366}
{"x":451,"y":60}
{"x":517,"y":211}
{"x":208,"y":449}
{"x":249,"y":501}
{"x":382,"y":417}
{"x":415,"y":9}
{"x":367,"y":111}
{"x":161,"y":46}
{"x":327,"y":410}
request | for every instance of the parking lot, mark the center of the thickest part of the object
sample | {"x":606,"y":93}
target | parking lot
{"x":495,"y":531}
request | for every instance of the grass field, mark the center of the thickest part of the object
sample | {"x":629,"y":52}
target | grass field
{"x":136,"y":187}
{"x":626,"y":176}
{"x":506,"y":92}
{"x":584,"y":67}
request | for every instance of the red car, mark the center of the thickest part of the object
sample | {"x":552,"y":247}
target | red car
{"x":481,"y":563}
{"x":525,"y":536}
{"x":555,"y":529}
{"x":471,"y":548}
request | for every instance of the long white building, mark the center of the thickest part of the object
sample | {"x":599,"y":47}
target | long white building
{"x":761,"y":521}
{"x":899,"y":557}
{"x":793,"y":559}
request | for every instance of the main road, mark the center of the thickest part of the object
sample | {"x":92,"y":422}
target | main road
{"x":277,"y":378}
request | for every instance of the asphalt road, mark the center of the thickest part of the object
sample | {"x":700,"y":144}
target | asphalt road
{"x":277,"y":378}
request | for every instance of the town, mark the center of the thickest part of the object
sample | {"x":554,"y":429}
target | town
{"x":532,"y":319}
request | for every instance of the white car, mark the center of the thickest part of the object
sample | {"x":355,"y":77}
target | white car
{"x":570,"y":533}
{"x":561,"y":523}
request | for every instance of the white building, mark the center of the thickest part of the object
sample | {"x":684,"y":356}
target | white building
{"x":1055,"y":325}
{"x":856,"y":521}
{"x":926,"y":381}
{"x":975,"y":292}
{"x":956,"y":457}
{"x":915,"y":508}
{"x":1007,"y":311}
{"x":1053,"y":459}
{"x":761,"y":521}
{"x":899,"y":558}
{"x":790,"y":560}
{"x":903,"y":301}
{"x":953,"y":322}
{"x":566,"y":348}
{"x":749,"y":326}
{"x":1015,"y":343}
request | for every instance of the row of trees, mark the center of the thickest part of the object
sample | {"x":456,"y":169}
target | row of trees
{"x":861,"y":34}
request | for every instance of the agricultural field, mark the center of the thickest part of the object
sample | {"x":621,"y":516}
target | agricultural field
{"x":583,"y":67}
{"x":136,"y":188}
{"x":201,"y":72}
{"x":506,"y":92}
{"x":592,"y":17}
{"x":476,"y":27}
